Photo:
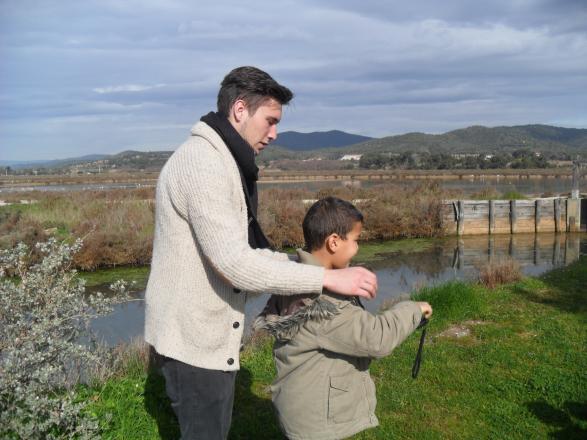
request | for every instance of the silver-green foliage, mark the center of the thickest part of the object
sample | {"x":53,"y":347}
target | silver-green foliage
{"x":45,"y":343}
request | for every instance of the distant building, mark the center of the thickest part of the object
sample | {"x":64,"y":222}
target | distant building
{"x":351,"y":157}
{"x":464,"y":155}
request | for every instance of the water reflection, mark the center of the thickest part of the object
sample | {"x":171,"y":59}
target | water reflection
{"x":401,"y":272}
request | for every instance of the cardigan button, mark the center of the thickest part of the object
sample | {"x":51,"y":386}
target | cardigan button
{"x":235,"y":324}
{"x":235,"y":290}
{"x":230,"y":361}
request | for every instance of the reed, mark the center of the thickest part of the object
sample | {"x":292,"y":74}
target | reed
{"x":500,"y":272}
{"x":117,"y":226}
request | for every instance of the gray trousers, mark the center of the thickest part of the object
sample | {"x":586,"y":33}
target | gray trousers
{"x":201,"y":399}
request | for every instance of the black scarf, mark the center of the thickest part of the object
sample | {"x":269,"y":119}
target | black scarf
{"x":245,"y":159}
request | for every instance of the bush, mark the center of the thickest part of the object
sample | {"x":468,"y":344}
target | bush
{"x":501,"y":272}
{"x":45,"y":342}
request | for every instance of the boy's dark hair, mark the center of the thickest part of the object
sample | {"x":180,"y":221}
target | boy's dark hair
{"x":253,"y":86}
{"x":328,"y":216}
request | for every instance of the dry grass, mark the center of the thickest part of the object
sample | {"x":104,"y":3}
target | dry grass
{"x":117,"y":226}
{"x":390,"y":211}
{"x":500,"y":272}
{"x":134,"y":356}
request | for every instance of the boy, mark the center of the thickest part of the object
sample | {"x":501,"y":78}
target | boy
{"x":324,"y":343}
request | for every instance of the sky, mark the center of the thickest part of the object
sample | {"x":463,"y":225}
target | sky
{"x":103,"y":76}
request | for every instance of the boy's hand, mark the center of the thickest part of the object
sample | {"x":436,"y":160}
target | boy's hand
{"x":425,"y":308}
{"x":352,"y":281}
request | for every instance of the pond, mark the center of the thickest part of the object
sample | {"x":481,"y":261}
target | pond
{"x":402,"y":267}
{"x":530,"y":187}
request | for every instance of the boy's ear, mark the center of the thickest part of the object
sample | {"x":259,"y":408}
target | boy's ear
{"x":332,"y":243}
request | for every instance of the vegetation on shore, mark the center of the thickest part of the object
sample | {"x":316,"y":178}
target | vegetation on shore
{"x":117,"y":226}
{"x":498,"y":363}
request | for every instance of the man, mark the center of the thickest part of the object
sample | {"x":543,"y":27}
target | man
{"x":209,"y":250}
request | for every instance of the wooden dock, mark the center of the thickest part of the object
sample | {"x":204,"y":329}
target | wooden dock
{"x":475,"y":217}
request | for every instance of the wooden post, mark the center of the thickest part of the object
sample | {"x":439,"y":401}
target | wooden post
{"x":537,"y":215}
{"x":491,"y":249}
{"x":557,"y":215}
{"x":491,"y":216}
{"x":460,"y":217}
{"x":512,"y":248}
{"x":536,"y":250}
{"x":513,"y":216}
{"x":576,"y":178}
{"x":461,"y":251}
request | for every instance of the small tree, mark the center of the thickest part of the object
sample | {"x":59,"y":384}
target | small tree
{"x":45,"y":342}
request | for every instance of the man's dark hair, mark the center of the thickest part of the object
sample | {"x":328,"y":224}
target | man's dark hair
{"x":253,"y":86}
{"x":328,"y":216}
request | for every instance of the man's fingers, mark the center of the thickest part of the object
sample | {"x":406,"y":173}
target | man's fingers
{"x":368,"y":288}
{"x":351,"y":281}
{"x":370,"y":283}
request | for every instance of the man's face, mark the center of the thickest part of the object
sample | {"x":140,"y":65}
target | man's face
{"x":260,"y":128}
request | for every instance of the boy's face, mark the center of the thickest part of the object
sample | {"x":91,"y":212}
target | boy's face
{"x":347,"y":248}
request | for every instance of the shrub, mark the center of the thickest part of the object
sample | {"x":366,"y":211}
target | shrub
{"x":45,"y":342}
{"x":500,"y":272}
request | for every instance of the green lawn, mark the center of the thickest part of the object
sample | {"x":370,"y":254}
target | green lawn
{"x":520,"y":373}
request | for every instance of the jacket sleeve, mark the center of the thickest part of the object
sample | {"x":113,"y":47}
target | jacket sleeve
{"x":356,"y":332}
{"x":203,"y":187}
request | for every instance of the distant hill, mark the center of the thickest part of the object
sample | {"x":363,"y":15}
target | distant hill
{"x":55,"y":163}
{"x":296,"y":141}
{"x":477,"y":139}
{"x":297,"y":146}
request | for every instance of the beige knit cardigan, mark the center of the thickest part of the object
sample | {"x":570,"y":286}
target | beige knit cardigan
{"x":202,"y":263}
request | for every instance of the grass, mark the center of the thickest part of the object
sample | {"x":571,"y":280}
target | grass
{"x":370,"y":251}
{"x":117,"y":225}
{"x":490,"y":193}
{"x":518,"y":373}
{"x":137,"y":274}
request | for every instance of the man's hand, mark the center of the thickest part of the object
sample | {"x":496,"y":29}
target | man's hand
{"x":352,"y":281}
{"x":425,"y":308}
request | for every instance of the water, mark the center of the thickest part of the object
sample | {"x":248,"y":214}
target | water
{"x":77,"y":187}
{"x":531,"y":187}
{"x":400,"y":272}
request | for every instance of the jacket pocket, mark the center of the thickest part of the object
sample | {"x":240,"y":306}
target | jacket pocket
{"x":342,"y":399}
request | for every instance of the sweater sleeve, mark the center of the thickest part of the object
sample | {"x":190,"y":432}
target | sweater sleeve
{"x":280,"y":256}
{"x":204,"y":184}
{"x":356,"y":332}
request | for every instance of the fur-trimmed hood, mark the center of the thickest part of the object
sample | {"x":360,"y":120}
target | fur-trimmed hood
{"x":283,"y":316}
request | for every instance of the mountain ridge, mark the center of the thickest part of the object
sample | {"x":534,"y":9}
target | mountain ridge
{"x":473,"y":139}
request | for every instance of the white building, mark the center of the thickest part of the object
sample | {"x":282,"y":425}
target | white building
{"x":351,"y":157}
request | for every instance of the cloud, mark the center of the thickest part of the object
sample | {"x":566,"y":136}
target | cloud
{"x":102,"y":74}
{"x":126,"y":88}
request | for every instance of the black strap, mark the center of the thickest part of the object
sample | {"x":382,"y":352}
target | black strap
{"x":418,"y":360}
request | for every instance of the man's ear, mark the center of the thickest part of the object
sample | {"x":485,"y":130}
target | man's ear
{"x":332,"y":243}
{"x":239,"y":111}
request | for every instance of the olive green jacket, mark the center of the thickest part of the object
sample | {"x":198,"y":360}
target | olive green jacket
{"x":322,"y":353}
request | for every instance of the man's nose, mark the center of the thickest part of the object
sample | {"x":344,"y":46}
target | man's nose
{"x":272,"y":133}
